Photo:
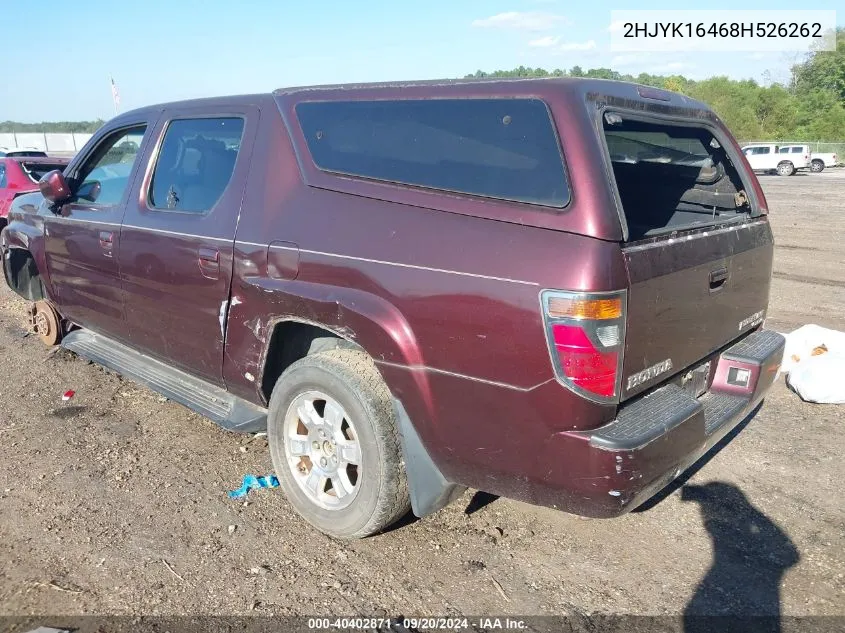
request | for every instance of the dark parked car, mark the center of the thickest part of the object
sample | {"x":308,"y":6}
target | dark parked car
{"x":19,"y":175}
{"x":22,"y":152}
{"x":422,"y":286}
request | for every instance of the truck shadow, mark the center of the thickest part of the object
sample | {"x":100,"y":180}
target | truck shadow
{"x":751,"y":553}
{"x":680,"y":481}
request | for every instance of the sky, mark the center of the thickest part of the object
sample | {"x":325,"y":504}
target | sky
{"x":59,"y":62}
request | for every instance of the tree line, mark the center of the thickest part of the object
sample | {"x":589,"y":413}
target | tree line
{"x":64,"y":127}
{"x":809,"y":107}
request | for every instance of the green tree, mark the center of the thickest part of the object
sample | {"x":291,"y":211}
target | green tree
{"x":823,"y":70}
{"x":776,"y":110}
{"x":53,"y":126}
{"x":602,"y":73}
{"x":673,"y":84}
{"x":820,"y":117}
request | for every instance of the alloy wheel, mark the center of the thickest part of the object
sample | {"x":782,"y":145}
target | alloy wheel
{"x":322,"y":450}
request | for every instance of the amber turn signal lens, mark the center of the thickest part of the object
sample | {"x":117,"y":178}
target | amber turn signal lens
{"x":600,"y":309}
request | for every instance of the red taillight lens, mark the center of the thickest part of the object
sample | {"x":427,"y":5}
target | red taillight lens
{"x":586,"y":332}
{"x":587,"y":367}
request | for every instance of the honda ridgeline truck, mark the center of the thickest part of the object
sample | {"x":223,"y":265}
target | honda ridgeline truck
{"x":549,"y":290}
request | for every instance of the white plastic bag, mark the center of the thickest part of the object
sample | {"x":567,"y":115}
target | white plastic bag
{"x":814,"y":361}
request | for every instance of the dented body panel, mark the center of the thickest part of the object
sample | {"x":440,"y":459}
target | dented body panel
{"x":441,"y":289}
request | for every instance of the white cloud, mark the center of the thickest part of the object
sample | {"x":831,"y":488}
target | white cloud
{"x":555,"y":46}
{"x":521,"y":21}
{"x":577,"y":46}
{"x":757,"y":56}
{"x":670,"y":67}
{"x":544,"y":42}
{"x":629,"y":59}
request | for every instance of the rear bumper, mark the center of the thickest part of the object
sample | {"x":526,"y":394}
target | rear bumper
{"x":655,"y":438}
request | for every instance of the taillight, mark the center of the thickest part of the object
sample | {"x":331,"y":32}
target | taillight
{"x":586,"y":334}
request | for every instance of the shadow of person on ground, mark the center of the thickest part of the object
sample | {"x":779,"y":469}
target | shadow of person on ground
{"x":688,"y":474}
{"x":741,"y":590}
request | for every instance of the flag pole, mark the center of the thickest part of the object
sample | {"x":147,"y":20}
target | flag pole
{"x":115,"y":95}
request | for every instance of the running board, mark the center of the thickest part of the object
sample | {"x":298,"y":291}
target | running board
{"x":230,"y":412}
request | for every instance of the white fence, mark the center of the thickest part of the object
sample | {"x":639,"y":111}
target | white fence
{"x":52,"y":143}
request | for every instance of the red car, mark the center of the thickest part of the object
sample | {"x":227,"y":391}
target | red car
{"x":20,"y":174}
{"x":551,"y":290}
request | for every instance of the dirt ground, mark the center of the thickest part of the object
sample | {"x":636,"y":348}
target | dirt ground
{"x":114,"y":503}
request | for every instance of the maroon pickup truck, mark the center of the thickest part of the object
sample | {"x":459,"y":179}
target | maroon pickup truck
{"x":549,"y":290}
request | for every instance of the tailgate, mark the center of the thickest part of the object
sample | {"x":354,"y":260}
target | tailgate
{"x":689,"y":297}
{"x":698,"y":249}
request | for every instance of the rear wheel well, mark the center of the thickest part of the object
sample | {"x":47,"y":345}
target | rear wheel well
{"x":293,"y":340}
{"x":22,"y":274}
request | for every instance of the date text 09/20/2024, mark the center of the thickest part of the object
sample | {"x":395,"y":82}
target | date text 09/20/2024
{"x":418,"y":623}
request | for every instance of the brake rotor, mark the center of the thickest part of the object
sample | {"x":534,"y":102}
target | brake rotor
{"x":47,"y":323}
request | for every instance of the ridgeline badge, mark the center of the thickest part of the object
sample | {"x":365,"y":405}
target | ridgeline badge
{"x":645,"y":375}
{"x":754,"y":319}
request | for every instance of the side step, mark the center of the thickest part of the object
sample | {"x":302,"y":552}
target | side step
{"x":230,"y":412}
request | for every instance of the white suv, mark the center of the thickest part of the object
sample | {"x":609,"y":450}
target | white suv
{"x":783,"y":159}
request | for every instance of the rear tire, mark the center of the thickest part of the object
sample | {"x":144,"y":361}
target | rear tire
{"x":786,"y":168}
{"x":817,"y":166}
{"x":334,"y":443}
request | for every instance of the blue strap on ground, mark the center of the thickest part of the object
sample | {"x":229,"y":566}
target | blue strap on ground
{"x":251,"y":482}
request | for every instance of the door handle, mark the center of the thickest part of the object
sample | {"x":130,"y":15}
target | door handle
{"x":210,"y":255}
{"x":107,"y":242}
{"x":209,"y":262}
{"x":718,"y":278}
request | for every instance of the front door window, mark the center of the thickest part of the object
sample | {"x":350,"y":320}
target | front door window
{"x":104,"y":178}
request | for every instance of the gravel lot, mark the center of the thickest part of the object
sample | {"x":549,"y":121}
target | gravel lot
{"x":115,"y":502}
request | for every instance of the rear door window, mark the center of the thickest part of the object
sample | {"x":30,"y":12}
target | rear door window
{"x":496,"y":148}
{"x":195,"y":163}
{"x":672,"y":177}
{"x":797,"y":150}
{"x":2,"y":176}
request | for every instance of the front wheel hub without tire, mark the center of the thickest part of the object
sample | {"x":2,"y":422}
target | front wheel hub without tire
{"x":47,"y":323}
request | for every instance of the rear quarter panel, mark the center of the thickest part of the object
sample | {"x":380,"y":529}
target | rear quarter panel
{"x":446,"y":304}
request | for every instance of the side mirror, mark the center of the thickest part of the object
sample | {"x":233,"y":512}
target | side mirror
{"x":54,"y":187}
{"x":89,"y":191}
